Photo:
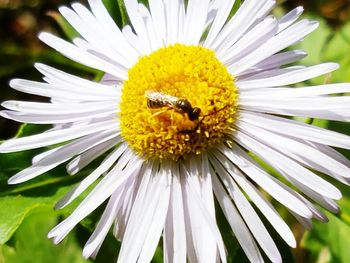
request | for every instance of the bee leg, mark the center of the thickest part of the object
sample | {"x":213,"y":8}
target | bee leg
{"x":159,"y":112}
{"x":196,"y":129}
{"x":172,"y":117}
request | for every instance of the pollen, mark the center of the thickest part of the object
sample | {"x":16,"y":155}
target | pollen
{"x":158,"y":126}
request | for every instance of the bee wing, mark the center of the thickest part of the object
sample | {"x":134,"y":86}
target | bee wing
{"x":159,"y":96}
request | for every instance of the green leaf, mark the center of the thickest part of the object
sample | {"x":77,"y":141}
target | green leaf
{"x":30,"y":243}
{"x":67,"y":29}
{"x":15,"y":208}
{"x":235,"y":7}
{"x":333,"y":236}
{"x":18,"y":201}
{"x":331,"y":46}
{"x":123,"y":13}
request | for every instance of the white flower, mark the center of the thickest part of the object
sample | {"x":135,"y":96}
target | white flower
{"x":164,"y":167}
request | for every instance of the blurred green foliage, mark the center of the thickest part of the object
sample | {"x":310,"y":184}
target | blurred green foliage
{"x":26,"y":213}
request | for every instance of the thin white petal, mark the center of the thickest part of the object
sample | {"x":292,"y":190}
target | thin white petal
{"x":288,"y":78}
{"x":289,"y":18}
{"x":296,"y":129}
{"x":248,"y":214}
{"x":132,"y":7}
{"x":73,"y":52}
{"x":277,"y":43}
{"x":196,"y":16}
{"x":261,"y":203}
{"x":87,"y":26}
{"x":222,"y":9}
{"x":56,"y":92}
{"x":103,"y":226}
{"x":84,"y":159}
{"x":302,"y":92}
{"x":289,"y":199}
{"x":245,"y":16}
{"x":201,"y":222}
{"x":157,"y":10}
{"x":88,"y":180}
{"x":56,"y":119}
{"x":297,"y":148}
{"x":56,"y":136}
{"x":112,"y":181}
{"x":158,"y":221}
{"x":112,"y":29}
{"x":250,"y":41}
{"x":237,"y":224}
{"x":174,"y":230}
{"x":275,"y":61}
{"x":153,"y":194}
{"x":294,"y":172}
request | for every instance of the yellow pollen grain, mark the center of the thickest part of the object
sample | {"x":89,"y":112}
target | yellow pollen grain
{"x":183,"y":72}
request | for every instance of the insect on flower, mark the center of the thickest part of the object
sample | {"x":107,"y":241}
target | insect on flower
{"x":156,"y":100}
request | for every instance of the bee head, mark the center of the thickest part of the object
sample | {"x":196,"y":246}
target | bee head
{"x":194,"y":114}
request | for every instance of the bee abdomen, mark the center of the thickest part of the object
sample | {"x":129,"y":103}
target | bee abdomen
{"x":155,"y":104}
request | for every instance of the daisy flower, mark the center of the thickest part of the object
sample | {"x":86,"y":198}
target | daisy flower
{"x":188,"y":96}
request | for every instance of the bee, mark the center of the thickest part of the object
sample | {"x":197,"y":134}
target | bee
{"x":157,"y":100}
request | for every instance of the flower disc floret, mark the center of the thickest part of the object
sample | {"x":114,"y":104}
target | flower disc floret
{"x":192,"y":73}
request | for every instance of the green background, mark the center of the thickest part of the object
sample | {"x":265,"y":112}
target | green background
{"x":26,"y":210}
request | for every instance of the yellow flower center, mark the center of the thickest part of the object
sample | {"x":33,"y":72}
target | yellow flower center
{"x":177,"y":101}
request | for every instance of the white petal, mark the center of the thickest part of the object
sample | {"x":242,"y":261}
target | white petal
{"x":296,"y":129}
{"x":155,"y":43}
{"x":274,"y":61}
{"x":153,"y":194}
{"x":172,"y":11}
{"x":157,"y":10}
{"x":129,"y":195}
{"x":103,"y":226}
{"x":62,"y":154}
{"x":250,"y":41}
{"x":248,"y":214}
{"x":158,"y":222}
{"x":87,"y":26}
{"x":31,"y":172}
{"x":237,"y":224}
{"x":222,"y":10}
{"x":49,"y":119}
{"x":56,"y":136}
{"x":286,"y":166}
{"x":262,"y":204}
{"x":302,"y":92}
{"x":132,"y":7}
{"x":196,"y":16}
{"x":112,"y":29}
{"x":245,"y":16}
{"x":198,"y":168}
{"x":41,"y":108}
{"x":326,"y":107}
{"x":88,"y":180}
{"x":84,"y":159}
{"x":110,"y":183}
{"x":174,"y":230}
{"x":298,"y":149}
{"x":287,"y":78}
{"x":289,"y":18}
{"x":55,"y":91}
{"x":199,"y":220}
{"x":317,"y":213}
{"x":73,"y":52}
{"x":289,"y":199}
{"x":277,"y":43}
